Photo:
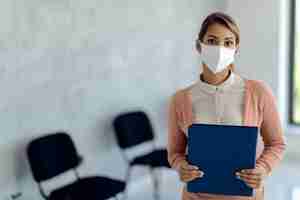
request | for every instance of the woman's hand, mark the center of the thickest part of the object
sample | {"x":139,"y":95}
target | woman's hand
{"x":254,"y":178}
{"x":188,"y":172}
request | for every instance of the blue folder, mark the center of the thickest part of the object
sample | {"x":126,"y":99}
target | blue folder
{"x":220,"y":151}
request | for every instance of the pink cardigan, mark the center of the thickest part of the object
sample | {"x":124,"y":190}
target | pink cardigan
{"x":260,"y":110}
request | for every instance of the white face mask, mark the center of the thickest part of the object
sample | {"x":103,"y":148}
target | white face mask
{"x":216,"y":57}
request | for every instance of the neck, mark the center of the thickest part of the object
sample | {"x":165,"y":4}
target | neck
{"x":214,"y":79}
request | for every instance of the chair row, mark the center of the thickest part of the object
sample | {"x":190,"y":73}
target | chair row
{"x":55,"y":153}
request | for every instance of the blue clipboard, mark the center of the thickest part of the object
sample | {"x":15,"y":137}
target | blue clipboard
{"x":219,"y":151}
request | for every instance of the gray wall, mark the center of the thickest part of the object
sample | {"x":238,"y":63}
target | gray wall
{"x":73,"y":65}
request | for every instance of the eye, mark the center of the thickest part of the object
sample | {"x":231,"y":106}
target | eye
{"x":211,"y":41}
{"x":229,"y":43}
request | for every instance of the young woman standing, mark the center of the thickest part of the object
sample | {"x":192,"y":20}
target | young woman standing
{"x":221,"y":96}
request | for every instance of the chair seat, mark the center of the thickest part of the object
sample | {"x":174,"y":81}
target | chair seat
{"x":91,"y":188}
{"x":156,"y":158}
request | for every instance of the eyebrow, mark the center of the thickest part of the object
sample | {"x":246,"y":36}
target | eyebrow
{"x":217,"y":37}
{"x":212,"y":36}
{"x":229,"y":38}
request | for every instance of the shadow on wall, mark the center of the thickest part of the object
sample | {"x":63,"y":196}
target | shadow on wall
{"x":21,"y":168}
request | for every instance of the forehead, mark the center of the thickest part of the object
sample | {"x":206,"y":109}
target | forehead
{"x":219,"y":31}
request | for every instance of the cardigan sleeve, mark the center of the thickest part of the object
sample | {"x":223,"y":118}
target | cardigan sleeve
{"x":177,"y":140}
{"x":271,"y":131}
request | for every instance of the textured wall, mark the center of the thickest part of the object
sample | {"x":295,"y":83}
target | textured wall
{"x":73,"y":65}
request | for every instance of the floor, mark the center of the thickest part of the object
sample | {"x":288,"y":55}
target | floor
{"x":284,"y":184}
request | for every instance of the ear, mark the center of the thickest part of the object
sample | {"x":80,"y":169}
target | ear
{"x":198,"y":46}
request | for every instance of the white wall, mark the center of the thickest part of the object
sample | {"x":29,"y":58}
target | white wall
{"x":258,"y":21}
{"x":73,"y":65}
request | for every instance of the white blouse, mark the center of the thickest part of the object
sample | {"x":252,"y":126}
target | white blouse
{"x":219,"y":104}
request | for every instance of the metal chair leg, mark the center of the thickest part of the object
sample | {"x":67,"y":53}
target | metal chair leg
{"x":118,"y":196}
{"x":127,"y":178}
{"x":155,"y":179}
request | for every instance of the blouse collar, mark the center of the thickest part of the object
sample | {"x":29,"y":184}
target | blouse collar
{"x":221,"y":87}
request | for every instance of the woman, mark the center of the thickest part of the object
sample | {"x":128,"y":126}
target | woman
{"x":222,"y":96}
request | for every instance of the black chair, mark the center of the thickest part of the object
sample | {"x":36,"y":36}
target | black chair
{"x":54,"y":154}
{"x":134,"y":128}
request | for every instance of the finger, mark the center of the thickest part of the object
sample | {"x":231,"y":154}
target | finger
{"x":249,"y":181}
{"x":188,"y":171}
{"x":250,"y":171}
{"x":189,"y":167}
{"x":197,"y":173}
{"x":258,"y":175}
{"x":192,"y":170}
{"x":186,"y":178}
{"x":251,"y":177}
{"x":247,"y":170}
{"x":247,"y":177}
{"x":189,"y":176}
{"x":251,"y":185}
{"x":194,"y":176}
{"x":193,"y":173}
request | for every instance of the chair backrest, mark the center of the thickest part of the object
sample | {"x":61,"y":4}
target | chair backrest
{"x":52,"y":155}
{"x":132,"y":128}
